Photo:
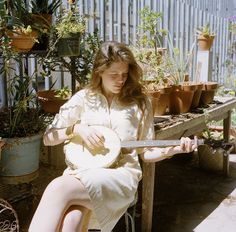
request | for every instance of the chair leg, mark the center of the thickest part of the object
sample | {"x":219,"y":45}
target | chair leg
{"x":86,"y":221}
{"x":132,"y":222}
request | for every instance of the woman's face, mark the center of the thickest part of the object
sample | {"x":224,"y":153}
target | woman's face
{"x":114,"y":78}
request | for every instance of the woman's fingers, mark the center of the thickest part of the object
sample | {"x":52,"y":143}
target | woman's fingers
{"x":187,"y":144}
{"x":195,"y":145}
{"x":182,"y":143}
{"x":91,"y":137}
{"x":94,"y":139}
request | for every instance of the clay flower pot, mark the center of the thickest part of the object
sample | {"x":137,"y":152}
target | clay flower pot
{"x":160,"y":100}
{"x":205,"y":42}
{"x":181,"y":99}
{"x":22,"y":42}
{"x":49,"y":102}
{"x":208,"y":93}
{"x":197,"y":96}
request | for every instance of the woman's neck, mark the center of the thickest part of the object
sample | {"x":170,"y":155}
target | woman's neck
{"x":109,"y":96}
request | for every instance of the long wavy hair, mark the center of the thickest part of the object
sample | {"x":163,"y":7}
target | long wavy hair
{"x":111,"y":52}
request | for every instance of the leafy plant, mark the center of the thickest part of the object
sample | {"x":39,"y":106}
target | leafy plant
{"x":20,"y":16}
{"x":21,"y":116}
{"x":81,"y":65}
{"x":204,"y":31}
{"x":177,"y":63}
{"x":70,"y":22}
{"x":152,"y":35}
{"x":44,"y":6}
{"x":63,"y":93}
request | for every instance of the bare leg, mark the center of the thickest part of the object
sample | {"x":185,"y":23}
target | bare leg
{"x":76,"y":219}
{"x":59,"y":195}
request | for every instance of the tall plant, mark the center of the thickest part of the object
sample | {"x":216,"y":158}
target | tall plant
{"x":177,"y":63}
{"x":152,"y":35}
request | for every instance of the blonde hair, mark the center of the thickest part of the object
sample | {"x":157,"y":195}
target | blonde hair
{"x":111,"y":52}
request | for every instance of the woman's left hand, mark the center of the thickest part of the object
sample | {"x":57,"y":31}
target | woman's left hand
{"x":186,"y":145}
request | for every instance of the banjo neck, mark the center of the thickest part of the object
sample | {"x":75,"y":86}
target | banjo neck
{"x":155,"y":143}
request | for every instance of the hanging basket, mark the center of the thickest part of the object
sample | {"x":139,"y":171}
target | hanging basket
{"x":21,"y":42}
{"x":69,"y":46}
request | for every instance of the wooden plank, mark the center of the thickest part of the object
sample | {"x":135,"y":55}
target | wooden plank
{"x":148,"y":195}
{"x":226,"y":131}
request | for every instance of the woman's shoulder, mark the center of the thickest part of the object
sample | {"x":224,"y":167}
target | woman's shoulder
{"x":82,"y":93}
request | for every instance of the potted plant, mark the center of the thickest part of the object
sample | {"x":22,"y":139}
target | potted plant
{"x":52,"y":100}
{"x":177,"y":66}
{"x":69,"y":27}
{"x":22,"y":28}
{"x":152,"y":36}
{"x":205,"y":37}
{"x":42,"y":11}
{"x":211,"y":154}
{"x":22,"y":123}
{"x":78,"y":66}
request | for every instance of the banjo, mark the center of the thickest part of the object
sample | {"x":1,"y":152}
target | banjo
{"x":79,"y":155}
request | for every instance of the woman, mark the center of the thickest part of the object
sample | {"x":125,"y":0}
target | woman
{"x":114,"y":99}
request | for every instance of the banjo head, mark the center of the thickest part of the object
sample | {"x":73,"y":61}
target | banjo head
{"x":78,"y":155}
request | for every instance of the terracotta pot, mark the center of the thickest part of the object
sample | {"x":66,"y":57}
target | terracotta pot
{"x":197,"y":96}
{"x":160,"y":100}
{"x":205,"y":42}
{"x":208,"y":93}
{"x":210,"y":86}
{"x":180,"y":100}
{"x":22,"y":42}
{"x":49,"y":102}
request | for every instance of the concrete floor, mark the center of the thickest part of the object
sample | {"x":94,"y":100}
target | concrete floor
{"x":187,"y":198}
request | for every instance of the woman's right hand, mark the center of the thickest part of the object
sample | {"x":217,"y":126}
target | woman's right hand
{"x":92,"y":138}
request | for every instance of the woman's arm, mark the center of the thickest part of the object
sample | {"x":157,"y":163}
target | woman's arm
{"x":55,"y":136}
{"x":89,"y":135}
{"x":158,"y":154}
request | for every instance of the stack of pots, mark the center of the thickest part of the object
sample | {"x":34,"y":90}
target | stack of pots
{"x":182,"y":98}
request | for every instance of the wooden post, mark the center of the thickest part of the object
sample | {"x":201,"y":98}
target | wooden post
{"x":147,"y":196}
{"x":226,"y":124}
{"x":204,"y":66}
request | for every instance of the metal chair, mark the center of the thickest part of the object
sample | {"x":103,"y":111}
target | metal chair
{"x":131,"y":216}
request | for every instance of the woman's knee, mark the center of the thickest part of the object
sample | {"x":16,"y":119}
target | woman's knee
{"x":74,"y":218}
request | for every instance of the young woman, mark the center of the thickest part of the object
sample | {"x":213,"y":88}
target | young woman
{"x":114,"y":99}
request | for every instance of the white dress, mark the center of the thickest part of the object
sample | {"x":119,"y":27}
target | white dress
{"x":111,"y":189}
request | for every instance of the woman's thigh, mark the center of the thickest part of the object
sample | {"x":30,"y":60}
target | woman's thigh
{"x":68,"y":189}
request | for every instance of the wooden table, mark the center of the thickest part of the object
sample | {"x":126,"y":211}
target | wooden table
{"x":184,"y":128}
